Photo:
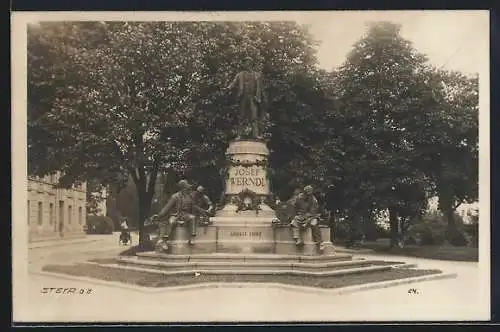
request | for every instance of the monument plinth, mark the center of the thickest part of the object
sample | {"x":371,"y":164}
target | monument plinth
{"x":246,"y":185}
{"x":244,"y":223}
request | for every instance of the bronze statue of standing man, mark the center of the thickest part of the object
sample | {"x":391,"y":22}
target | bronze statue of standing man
{"x":250,"y":92}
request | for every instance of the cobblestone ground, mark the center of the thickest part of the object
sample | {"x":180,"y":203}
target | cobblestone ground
{"x":463,"y":298}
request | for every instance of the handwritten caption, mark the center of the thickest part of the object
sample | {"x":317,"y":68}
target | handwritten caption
{"x":66,"y":291}
{"x":413,"y":291}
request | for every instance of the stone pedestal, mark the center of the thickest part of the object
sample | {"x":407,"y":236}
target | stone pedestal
{"x":246,"y":239}
{"x":285,"y":244}
{"x":204,"y":242}
{"x":248,"y":167}
{"x":240,"y":227}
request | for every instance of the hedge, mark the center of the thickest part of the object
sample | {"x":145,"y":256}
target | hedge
{"x":99,"y":225}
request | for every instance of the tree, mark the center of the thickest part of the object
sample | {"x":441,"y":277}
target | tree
{"x":450,"y":143}
{"x":118,"y":114}
{"x":94,"y":196}
{"x":379,"y":98}
{"x":48,"y":75}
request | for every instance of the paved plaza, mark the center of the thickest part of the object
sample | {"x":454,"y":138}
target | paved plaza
{"x":448,"y":299}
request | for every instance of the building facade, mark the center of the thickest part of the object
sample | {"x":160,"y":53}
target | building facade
{"x":55,"y":213}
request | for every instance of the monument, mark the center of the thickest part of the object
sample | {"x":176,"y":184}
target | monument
{"x":244,"y":224}
{"x":243,"y":237}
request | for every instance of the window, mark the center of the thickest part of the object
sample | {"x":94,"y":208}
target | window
{"x":61,"y":215}
{"x":70,"y":214}
{"x":29,"y":214}
{"x":80,"y":215}
{"x":40,"y":213}
{"x":51,"y":214}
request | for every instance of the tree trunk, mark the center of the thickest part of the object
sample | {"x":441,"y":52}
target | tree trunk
{"x":394,"y":227}
{"x":145,"y":197}
{"x":454,"y":236}
{"x":364,"y":227}
{"x":111,"y":208}
{"x":450,"y":219}
{"x":144,"y":211}
{"x":405,"y":225}
{"x":351,"y":219}
{"x":354,"y":230}
{"x":446,"y":207}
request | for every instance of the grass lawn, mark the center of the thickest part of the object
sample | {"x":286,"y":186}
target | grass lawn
{"x":148,"y":279}
{"x":445,"y":252}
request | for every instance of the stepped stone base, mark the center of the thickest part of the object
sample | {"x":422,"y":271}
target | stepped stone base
{"x":333,"y":265}
{"x":243,"y":241}
{"x":249,"y":250}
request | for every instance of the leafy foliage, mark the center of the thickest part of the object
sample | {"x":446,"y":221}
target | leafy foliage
{"x":94,"y":197}
{"x":113,"y":101}
{"x":117,"y":99}
{"x":398,"y":128}
{"x":431,"y":228}
{"x":452,"y":147}
{"x":374,"y":128}
{"x":99,"y":225}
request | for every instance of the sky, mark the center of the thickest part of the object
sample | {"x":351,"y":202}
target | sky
{"x":459,"y":40}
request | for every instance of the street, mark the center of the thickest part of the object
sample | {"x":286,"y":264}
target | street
{"x":94,"y":246}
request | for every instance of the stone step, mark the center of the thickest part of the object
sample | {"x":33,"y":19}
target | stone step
{"x":252,"y":264}
{"x":242,"y":257}
{"x":260,"y":271}
{"x":180,"y":266}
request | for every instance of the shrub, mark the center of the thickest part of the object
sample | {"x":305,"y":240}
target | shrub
{"x":458,"y":238}
{"x":340,"y":230}
{"x":370,"y":230}
{"x":432,"y":229}
{"x":428,"y":230}
{"x":374,"y":231}
{"x":99,"y":225}
{"x":473,"y":231}
{"x":426,"y":234}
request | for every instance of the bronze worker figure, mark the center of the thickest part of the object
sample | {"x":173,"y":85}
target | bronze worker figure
{"x":250,"y":92}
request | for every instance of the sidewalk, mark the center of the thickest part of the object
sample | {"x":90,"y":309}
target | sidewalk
{"x":64,"y":242}
{"x":436,"y":300}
